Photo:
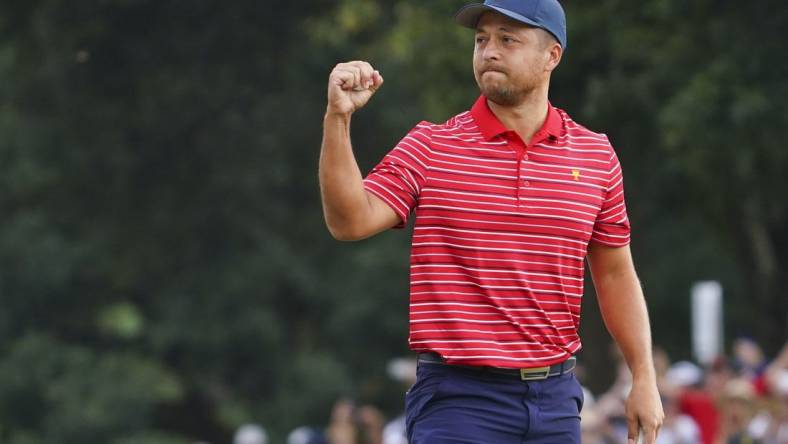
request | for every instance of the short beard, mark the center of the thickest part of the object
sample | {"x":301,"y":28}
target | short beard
{"x":503,"y":96}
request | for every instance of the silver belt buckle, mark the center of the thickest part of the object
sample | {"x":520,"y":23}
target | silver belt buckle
{"x":534,"y":374}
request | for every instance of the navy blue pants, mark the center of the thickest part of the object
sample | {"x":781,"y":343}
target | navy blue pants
{"x":450,"y":404}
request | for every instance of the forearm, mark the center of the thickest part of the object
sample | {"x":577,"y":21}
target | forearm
{"x":341,"y":184}
{"x":624,"y":312}
{"x":623,"y":309}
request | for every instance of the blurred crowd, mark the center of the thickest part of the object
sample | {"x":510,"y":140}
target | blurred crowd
{"x":736,"y":399}
{"x":740,"y":399}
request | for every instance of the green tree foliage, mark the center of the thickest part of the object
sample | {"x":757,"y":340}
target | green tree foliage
{"x":165,"y":274}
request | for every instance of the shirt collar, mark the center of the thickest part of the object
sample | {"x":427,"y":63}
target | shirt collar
{"x":490,"y":126}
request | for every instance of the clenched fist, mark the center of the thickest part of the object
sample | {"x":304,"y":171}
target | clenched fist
{"x":351,"y":85}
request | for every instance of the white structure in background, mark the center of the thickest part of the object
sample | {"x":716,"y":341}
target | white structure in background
{"x":707,"y":321}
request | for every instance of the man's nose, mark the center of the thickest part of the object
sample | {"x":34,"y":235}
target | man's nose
{"x":491,"y":51}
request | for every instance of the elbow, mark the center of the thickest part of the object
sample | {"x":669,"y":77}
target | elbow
{"x":345,"y":236}
{"x":345,"y":233}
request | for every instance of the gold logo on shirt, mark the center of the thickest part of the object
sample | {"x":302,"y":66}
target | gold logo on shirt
{"x":576,"y":175}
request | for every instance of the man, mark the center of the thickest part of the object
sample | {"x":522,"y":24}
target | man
{"x":509,"y":199}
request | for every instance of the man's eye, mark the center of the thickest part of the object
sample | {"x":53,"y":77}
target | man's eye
{"x":479,"y":39}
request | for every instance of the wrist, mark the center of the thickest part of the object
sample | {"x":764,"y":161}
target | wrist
{"x":641,"y":366}
{"x":644,"y":375}
{"x":338,"y":116}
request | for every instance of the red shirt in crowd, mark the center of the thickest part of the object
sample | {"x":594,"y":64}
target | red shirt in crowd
{"x":700,"y":406}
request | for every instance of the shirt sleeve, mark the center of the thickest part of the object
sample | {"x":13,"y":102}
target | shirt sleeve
{"x":399,"y":177}
{"x":612,"y":223}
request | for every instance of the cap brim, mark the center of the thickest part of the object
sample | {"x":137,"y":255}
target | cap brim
{"x":469,"y":15}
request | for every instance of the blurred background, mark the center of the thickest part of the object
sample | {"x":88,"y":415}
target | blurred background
{"x":165,"y":273}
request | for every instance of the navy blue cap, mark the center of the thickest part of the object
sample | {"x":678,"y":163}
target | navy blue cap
{"x":545,"y":14}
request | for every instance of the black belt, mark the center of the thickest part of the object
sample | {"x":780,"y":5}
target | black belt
{"x":523,"y":374}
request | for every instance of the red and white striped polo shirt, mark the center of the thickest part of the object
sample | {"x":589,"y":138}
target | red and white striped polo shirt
{"x":501,"y":233}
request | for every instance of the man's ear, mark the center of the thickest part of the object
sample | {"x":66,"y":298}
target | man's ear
{"x":554,"y":55}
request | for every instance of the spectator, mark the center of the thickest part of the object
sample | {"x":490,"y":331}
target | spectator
{"x":403,"y":371}
{"x":305,"y":435}
{"x":684,"y":386}
{"x":750,"y":363}
{"x":250,"y":434}
{"x":776,"y":374}
{"x":370,"y":423}
{"x":351,"y":425}
{"x":718,"y":405}
{"x":717,"y":375}
{"x":609,"y":408}
{"x":770,"y":424}
{"x":593,"y":425}
{"x":394,"y":432}
{"x":737,"y":412}
{"x":342,"y":429}
{"x":678,"y":427}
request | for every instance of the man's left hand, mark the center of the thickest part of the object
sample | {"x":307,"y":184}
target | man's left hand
{"x":644,"y":411}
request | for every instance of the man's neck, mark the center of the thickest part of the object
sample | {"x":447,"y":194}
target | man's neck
{"x":525,"y":118}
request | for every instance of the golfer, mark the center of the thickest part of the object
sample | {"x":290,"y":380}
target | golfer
{"x":510,"y":197}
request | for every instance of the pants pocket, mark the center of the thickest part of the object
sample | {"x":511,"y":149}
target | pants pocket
{"x":580,"y":396}
{"x":429,"y":378}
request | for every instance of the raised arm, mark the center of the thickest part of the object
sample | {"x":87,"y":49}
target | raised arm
{"x":351,"y":213}
{"x":623,"y":309}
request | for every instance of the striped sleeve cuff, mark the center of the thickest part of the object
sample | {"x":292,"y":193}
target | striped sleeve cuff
{"x":391,"y":200}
